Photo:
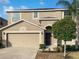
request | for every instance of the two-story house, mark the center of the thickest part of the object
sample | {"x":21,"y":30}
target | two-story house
{"x":27,"y":27}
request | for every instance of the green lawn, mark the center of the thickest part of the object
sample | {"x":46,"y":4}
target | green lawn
{"x":74,"y":55}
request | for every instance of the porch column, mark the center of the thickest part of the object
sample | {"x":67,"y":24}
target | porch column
{"x":43,"y":37}
{"x":5,"y":38}
{"x":41,"y":41}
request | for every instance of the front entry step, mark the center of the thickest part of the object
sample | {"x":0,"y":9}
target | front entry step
{"x":50,"y":48}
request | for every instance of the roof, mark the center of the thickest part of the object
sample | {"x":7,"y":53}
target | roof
{"x":37,"y":9}
{"x":3,"y":19}
{"x":19,"y":22}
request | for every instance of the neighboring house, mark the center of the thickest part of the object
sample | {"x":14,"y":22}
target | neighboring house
{"x":28,"y":27}
{"x":3,"y":22}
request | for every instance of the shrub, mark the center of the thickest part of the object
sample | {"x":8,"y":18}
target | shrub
{"x":42,"y":46}
{"x":71,"y":48}
{"x":1,"y":45}
{"x":58,"y":49}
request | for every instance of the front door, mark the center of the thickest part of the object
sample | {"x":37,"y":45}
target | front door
{"x":47,"y":38}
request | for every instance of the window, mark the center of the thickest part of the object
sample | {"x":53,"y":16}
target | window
{"x":36,"y":15}
{"x":66,"y":13}
{"x":16,"y":16}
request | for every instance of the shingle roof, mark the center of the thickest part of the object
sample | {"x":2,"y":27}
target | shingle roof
{"x":37,"y":9}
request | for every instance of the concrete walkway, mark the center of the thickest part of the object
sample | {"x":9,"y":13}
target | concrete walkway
{"x":18,"y":53}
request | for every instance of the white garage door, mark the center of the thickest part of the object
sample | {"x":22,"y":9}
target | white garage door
{"x":30,"y":40}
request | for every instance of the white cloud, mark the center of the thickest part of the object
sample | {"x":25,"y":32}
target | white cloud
{"x":8,"y":8}
{"x":42,"y":2}
{"x":4,"y":1}
{"x":23,"y":7}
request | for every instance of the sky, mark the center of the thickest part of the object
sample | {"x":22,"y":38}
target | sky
{"x":25,"y":4}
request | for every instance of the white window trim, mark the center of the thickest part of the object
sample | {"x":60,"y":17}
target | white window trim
{"x":20,"y":16}
{"x":11,"y":17}
{"x":33,"y":16}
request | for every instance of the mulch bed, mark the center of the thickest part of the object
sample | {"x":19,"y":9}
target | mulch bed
{"x":49,"y":55}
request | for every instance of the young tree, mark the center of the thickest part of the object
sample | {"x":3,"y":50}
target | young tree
{"x":72,"y":6}
{"x":64,"y":29}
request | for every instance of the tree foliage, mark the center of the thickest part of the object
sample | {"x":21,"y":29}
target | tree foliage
{"x":71,"y":5}
{"x":64,"y":29}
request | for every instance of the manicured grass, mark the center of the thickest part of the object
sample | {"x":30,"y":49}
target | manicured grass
{"x":57,"y":55}
{"x":74,"y":55}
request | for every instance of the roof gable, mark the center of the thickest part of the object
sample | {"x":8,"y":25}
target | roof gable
{"x":20,"y":22}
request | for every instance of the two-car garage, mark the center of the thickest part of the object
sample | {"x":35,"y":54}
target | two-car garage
{"x":24,"y":39}
{"x":22,"y":34}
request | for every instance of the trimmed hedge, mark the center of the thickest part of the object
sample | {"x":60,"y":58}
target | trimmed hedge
{"x":42,"y":46}
{"x":71,"y":48}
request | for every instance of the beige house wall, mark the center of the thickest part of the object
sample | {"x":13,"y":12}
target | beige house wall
{"x":23,"y":26}
{"x":44,"y":24}
{"x":9,"y":18}
{"x":26,"y":15}
{"x":29,"y":15}
{"x":57,"y":14}
{"x":42,"y":14}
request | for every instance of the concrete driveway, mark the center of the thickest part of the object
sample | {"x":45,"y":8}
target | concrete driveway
{"x":18,"y":53}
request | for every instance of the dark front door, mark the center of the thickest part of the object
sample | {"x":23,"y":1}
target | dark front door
{"x":47,"y":38}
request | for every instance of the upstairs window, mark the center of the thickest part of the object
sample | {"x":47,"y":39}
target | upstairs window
{"x":16,"y":16}
{"x":35,"y":15}
{"x":66,"y":13}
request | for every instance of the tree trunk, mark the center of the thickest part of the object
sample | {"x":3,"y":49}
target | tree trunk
{"x":77,"y":26}
{"x":64,"y":49}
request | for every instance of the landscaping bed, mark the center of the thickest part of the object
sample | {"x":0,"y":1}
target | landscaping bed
{"x":57,"y":55}
{"x":49,"y":55}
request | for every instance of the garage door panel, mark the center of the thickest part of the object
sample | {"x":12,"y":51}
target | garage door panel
{"x":24,"y":40}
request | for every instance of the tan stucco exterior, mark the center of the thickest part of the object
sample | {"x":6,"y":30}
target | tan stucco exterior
{"x":26,"y":15}
{"x":25,"y":34}
{"x":23,"y":26}
{"x":45,"y":23}
{"x":30,"y":40}
{"x":30,"y":32}
{"x":9,"y":18}
{"x":21,"y":32}
{"x":57,"y":14}
{"x":42,"y":14}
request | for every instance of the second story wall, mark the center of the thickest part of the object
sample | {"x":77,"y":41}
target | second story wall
{"x":29,"y":15}
{"x":52,"y":14}
{"x":26,"y":15}
{"x":9,"y":18}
